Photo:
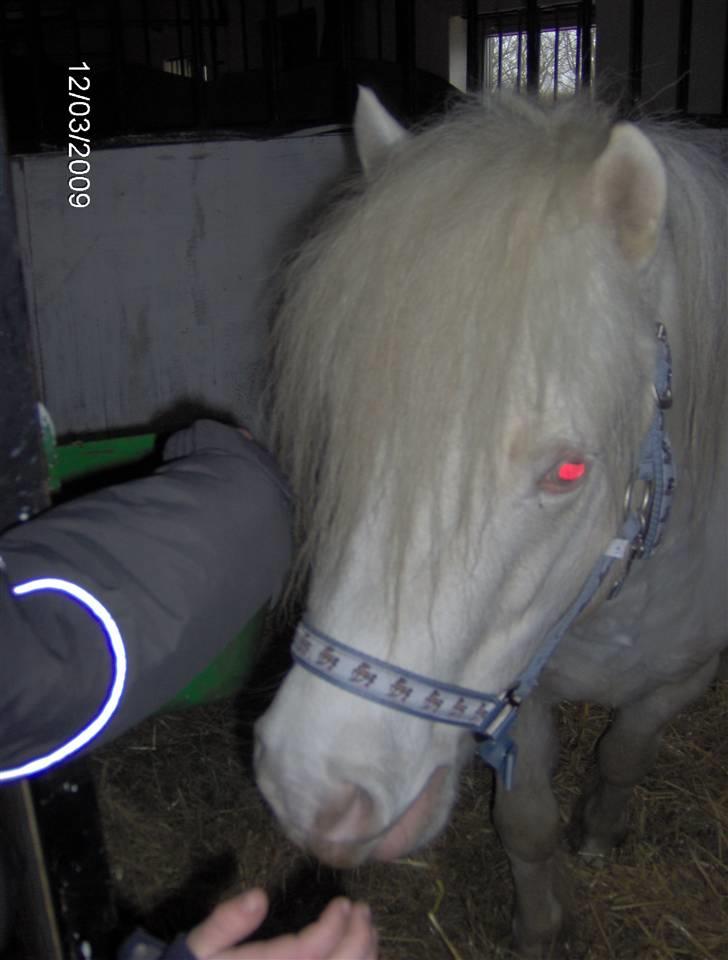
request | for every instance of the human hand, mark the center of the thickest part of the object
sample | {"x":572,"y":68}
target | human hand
{"x":344,"y":931}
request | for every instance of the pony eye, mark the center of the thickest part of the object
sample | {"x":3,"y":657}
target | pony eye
{"x":571,"y":470}
{"x":564,"y":476}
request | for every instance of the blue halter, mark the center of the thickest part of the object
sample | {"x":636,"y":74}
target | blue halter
{"x":490,"y":716}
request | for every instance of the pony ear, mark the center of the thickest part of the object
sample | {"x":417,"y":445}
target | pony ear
{"x":375,"y":130}
{"x":630,"y":191}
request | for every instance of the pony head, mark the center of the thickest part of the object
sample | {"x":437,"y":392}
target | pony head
{"x":464,"y":360}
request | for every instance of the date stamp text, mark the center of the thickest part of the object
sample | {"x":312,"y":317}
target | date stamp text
{"x":79,"y":135}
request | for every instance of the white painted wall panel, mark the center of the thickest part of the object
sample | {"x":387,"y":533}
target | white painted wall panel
{"x":155,"y":295}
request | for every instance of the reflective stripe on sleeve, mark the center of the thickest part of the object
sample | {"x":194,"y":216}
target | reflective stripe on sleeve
{"x":117,"y":651}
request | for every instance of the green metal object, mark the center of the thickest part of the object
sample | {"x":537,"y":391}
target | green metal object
{"x":227,"y":672}
{"x":84,"y":457}
{"x":231,"y":669}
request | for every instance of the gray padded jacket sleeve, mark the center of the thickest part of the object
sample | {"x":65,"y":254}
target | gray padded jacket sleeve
{"x":180,"y":559}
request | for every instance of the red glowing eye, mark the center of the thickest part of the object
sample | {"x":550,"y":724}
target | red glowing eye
{"x":569,"y":471}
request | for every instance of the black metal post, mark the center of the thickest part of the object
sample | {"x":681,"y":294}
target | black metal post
{"x":724,"y":98}
{"x":34,"y":42}
{"x":474,"y":53}
{"x":77,"y":35}
{"x":586,"y":20}
{"x":406,"y":38}
{"x":519,"y":55}
{"x":116,"y":42}
{"x":145,"y":24}
{"x":345,"y":103}
{"x":533,"y":47}
{"x":212,"y":23}
{"x":180,"y":37}
{"x":685,"y":32}
{"x":380,"y":46}
{"x":22,"y":464}
{"x":500,"y":54}
{"x":636,"y":28}
{"x":244,"y":34}
{"x":270,"y":59}
{"x":198,"y":79}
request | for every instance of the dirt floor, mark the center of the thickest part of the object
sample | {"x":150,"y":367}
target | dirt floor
{"x":185,"y":826}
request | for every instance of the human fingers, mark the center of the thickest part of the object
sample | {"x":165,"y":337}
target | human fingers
{"x":321,"y":938}
{"x":318,"y":941}
{"x":342,"y":932}
{"x":360,"y":939}
{"x":228,"y":923}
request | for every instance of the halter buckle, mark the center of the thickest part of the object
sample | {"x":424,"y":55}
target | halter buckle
{"x":643,"y":512}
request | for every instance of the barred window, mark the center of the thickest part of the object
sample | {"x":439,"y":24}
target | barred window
{"x":560,"y":60}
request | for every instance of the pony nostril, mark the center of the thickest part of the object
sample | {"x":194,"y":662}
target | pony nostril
{"x":348,"y":818}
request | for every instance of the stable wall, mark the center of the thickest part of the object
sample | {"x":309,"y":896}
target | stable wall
{"x":152,"y":303}
{"x":660,"y":52}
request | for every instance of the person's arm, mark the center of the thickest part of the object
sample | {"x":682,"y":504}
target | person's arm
{"x":166,"y":570}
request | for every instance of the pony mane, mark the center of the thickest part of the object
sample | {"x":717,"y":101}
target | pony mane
{"x":697,"y":227}
{"x":391,"y":337}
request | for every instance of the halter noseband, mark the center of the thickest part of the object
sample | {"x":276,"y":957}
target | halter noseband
{"x":489,"y":716}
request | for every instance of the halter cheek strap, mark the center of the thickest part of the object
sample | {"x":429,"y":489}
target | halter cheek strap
{"x":490,"y":716}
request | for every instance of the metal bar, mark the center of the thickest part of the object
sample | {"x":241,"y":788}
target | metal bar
{"x":724,"y":99}
{"x":34,"y":40}
{"x":557,"y":34}
{"x":343,"y":100}
{"x":637,"y":23}
{"x":533,"y":47}
{"x":77,"y":34}
{"x":36,"y":931}
{"x":579,"y":35}
{"x":145,"y":21}
{"x":180,"y":38}
{"x":22,"y":492}
{"x":587,"y":54}
{"x":685,"y":32}
{"x":406,"y":40}
{"x":198,"y":81}
{"x":244,"y":35}
{"x":213,"y":39}
{"x":380,"y":47}
{"x":115,"y":23}
{"x":519,"y":54}
{"x":270,"y":59}
{"x":69,"y":827}
{"x":585,"y":42}
{"x":500,"y":53}
{"x":474,"y":50}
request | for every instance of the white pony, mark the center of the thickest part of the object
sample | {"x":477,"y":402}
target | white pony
{"x":465,"y":372}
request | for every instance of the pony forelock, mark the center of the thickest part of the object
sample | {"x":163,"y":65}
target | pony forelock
{"x":437,"y":301}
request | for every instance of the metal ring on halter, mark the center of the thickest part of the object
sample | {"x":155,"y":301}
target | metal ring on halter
{"x":644,"y":510}
{"x":664,"y":399}
{"x":643,"y":513}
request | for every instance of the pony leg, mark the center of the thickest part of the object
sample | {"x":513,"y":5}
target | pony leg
{"x":527,"y":821}
{"x":626,"y":753}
